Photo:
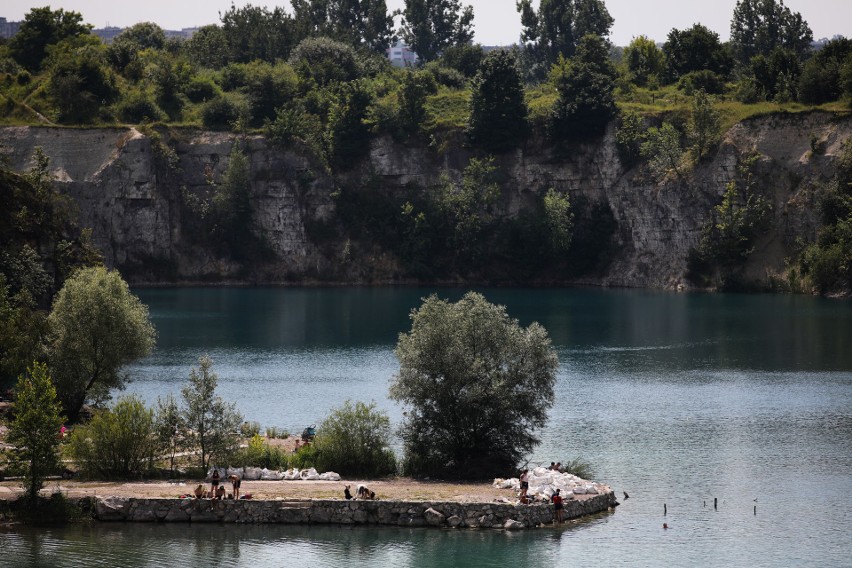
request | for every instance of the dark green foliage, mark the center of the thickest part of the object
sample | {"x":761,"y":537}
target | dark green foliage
{"x":266,"y":87}
{"x":253,"y":32}
{"x":498,"y":112}
{"x":323,"y":61}
{"x":81,"y":83}
{"x":820,"y":81}
{"x":348,"y":136}
{"x":629,"y":136}
{"x":208,"y":47}
{"x":593,"y":241}
{"x":139,"y":107}
{"x":118,"y":443}
{"x":758,"y":27}
{"x":704,"y":80}
{"x":828,"y":261}
{"x":223,"y":111}
{"x":200,"y":89}
{"x":704,"y":127}
{"x":446,"y":76}
{"x":412,"y":94}
{"x":355,"y":441}
{"x":696,"y":49}
{"x":776,"y":77}
{"x":644,"y":60}
{"x":43,"y":27}
{"x":477,"y":387}
{"x":34,"y":432}
{"x":464,"y":58}
{"x":126,"y":47}
{"x":728,"y":240}
{"x":558,"y":27}
{"x":431,"y":26}
{"x":356,"y":22}
{"x":585,"y":85}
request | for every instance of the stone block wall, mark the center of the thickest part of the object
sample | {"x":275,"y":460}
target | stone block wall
{"x":318,"y":511}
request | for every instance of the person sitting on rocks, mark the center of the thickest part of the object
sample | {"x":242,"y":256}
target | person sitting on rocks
{"x":220,"y":493}
{"x":363,"y":492}
{"x":346,"y":493}
{"x":199,"y":492}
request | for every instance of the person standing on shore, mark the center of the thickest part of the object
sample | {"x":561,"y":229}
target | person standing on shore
{"x":214,"y":482}
{"x":557,"y":505}
{"x":235,"y":484}
{"x":525,"y":482}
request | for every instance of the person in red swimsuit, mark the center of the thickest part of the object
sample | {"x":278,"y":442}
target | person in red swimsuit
{"x":557,"y":505}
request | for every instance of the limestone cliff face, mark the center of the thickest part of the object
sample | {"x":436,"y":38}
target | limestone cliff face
{"x":133,"y":190}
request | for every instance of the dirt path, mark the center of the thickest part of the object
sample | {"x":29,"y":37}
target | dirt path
{"x":404,"y":489}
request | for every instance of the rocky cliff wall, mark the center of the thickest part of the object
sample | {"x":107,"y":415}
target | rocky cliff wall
{"x":132,"y":191}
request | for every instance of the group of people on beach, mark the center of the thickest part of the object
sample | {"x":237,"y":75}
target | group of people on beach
{"x":218,"y":491}
{"x":362,"y":493}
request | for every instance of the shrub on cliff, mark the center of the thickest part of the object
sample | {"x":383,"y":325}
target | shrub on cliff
{"x":498,"y":113}
{"x":477,"y":387}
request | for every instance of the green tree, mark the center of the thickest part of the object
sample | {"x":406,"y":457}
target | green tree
{"x":559,"y":221}
{"x":776,"y":77}
{"x":97,"y":326}
{"x":355,"y":441}
{"x":232,"y":203}
{"x":468,"y":209}
{"x":644,"y":60}
{"x":820,"y":80}
{"x":213,"y":424}
{"x":347,"y":135}
{"x":125,"y":48}
{"x":738,"y":220}
{"x":254,"y":32}
{"x":321,"y":61}
{"x":629,"y":136}
{"x":169,"y":428}
{"x":81,"y":83}
{"x":34,"y":431}
{"x":476,"y":386}
{"x":431,"y":26}
{"x":704,"y":124}
{"x":43,"y":27}
{"x":118,"y":443}
{"x":558,"y":26}
{"x":758,"y":27}
{"x":208,"y":47}
{"x":695,"y":49}
{"x":357,"y":22}
{"x":498,"y":112}
{"x":663,"y":150}
{"x":585,"y":86}
{"x":415,"y":89}
{"x":465,"y":58}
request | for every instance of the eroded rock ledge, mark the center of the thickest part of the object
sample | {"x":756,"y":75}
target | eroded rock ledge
{"x":337,"y":512}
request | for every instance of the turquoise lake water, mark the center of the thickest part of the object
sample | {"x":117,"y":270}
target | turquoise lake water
{"x":675,"y":398}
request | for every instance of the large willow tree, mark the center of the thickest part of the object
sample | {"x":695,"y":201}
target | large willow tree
{"x":477,"y":387}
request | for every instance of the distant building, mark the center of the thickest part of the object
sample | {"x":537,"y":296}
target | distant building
{"x":8,"y":29}
{"x":108,"y":33}
{"x":400,"y":55}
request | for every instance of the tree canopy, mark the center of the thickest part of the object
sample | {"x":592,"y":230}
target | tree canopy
{"x":696,"y":49}
{"x":476,"y":386}
{"x":431,"y":26}
{"x":498,"y":112}
{"x":760,"y":26}
{"x":43,"y":27}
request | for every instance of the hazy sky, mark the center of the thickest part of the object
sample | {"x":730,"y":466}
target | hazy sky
{"x":496,"y":22}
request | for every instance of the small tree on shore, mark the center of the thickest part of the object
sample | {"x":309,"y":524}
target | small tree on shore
{"x":477,"y":386}
{"x":169,"y":425}
{"x":213,"y":424}
{"x":34,"y":432}
{"x":355,"y":441}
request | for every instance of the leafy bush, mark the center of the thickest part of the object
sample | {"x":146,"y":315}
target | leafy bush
{"x":447,"y":77}
{"x":322,"y":61}
{"x":259,"y":453}
{"x":355,"y":441}
{"x":118,"y":443}
{"x":250,"y":429}
{"x":703,"y":80}
{"x":223,"y":111}
{"x":200,"y":89}
{"x":139,"y":107}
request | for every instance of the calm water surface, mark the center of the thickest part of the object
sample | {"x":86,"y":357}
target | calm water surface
{"x":676,"y":399}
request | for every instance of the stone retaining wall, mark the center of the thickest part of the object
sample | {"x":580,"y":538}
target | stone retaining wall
{"x":318,"y":511}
